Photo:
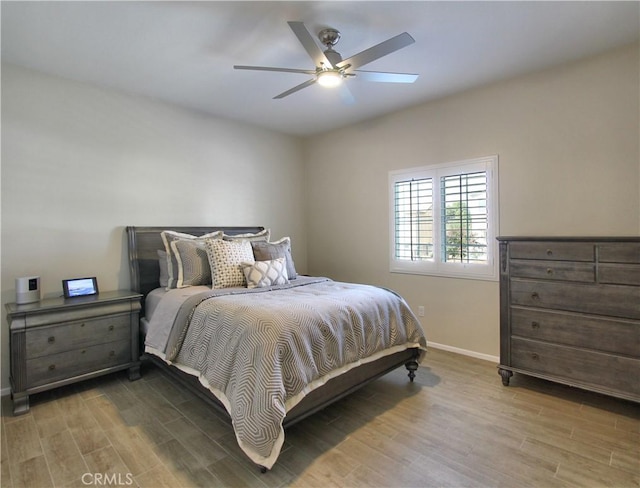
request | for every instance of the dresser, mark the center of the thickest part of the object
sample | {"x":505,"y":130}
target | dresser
{"x":60,"y":341}
{"x":570,"y":312}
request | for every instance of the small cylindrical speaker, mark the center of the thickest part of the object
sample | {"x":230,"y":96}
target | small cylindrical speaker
{"x":27,"y":289}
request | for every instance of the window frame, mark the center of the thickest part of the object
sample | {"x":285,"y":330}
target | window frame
{"x":438,"y":267}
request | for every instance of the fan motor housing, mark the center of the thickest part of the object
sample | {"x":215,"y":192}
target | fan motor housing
{"x":329,"y":37}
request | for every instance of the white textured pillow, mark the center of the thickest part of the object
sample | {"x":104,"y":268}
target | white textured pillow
{"x":266,"y":273}
{"x":172,"y":264}
{"x":193,"y":262}
{"x":225,"y":259}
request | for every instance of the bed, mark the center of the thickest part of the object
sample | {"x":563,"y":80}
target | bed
{"x":208,"y":336}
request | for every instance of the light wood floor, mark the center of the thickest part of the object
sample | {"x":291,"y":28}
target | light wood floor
{"x":455,"y":426}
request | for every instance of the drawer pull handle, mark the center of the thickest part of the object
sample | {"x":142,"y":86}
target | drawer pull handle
{"x":549,"y":252}
{"x":82,"y":324}
{"x":112,"y":353}
{"x":52,"y":367}
{"x":51,"y":340}
{"x":535,"y":296}
{"x":83,"y":351}
{"x":549,"y":271}
{"x":111,"y":327}
{"x":535,"y":325}
{"x":535,"y":356}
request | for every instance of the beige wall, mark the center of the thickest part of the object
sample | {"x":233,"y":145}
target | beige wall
{"x":74,"y":157}
{"x":567,"y":141}
{"x":79,"y":164}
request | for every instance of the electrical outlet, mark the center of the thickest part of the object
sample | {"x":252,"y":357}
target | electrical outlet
{"x":420,"y":311}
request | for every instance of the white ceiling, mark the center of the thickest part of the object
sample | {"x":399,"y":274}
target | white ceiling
{"x":184,"y":52}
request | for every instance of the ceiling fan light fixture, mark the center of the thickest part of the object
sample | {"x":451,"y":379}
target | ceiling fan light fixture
{"x":329,"y":78}
{"x":330,"y":69}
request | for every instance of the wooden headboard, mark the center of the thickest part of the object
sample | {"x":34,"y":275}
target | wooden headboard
{"x":144,"y":242}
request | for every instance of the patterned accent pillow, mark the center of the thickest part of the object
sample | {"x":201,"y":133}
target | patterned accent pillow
{"x":263,"y":235}
{"x":265,"y":251}
{"x":225,"y":259}
{"x":265,"y":273}
{"x":172,"y":263}
{"x":193,"y":263}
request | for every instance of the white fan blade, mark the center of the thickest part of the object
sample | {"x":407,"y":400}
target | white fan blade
{"x":377,"y":51}
{"x":382,"y":77}
{"x":296,"y":88}
{"x":307,"y":41}
{"x":286,"y":70}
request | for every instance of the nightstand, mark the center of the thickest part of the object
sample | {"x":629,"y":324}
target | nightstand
{"x":59,"y":341}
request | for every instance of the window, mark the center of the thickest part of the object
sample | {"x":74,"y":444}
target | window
{"x":444,"y":219}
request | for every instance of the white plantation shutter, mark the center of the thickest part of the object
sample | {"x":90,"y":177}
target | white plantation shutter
{"x":414,"y":219}
{"x":465,"y":218}
{"x":444,"y":219}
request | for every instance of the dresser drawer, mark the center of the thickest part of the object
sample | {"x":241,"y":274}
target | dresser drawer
{"x":43,"y":341}
{"x":618,"y":252}
{"x":46,"y":369}
{"x":553,"y":270}
{"x":563,"y":251}
{"x":598,"y":333}
{"x":621,"y":274}
{"x":577,"y":365}
{"x":614,"y":300}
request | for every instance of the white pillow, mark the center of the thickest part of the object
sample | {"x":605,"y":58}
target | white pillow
{"x":263,"y":235}
{"x":266,"y":273}
{"x":225,"y":259}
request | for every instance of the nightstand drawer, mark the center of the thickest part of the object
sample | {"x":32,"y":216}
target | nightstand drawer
{"x":597,"y":333}
{"x":579,"y":365}
{"x":613,"y":300}
{"x":553,"y":270}
{"x":44,"y":341}
{"x":68,"y":364}
{"x":563,"y":251}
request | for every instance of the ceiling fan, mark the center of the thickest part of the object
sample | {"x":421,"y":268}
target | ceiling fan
{"x":331,"y":69}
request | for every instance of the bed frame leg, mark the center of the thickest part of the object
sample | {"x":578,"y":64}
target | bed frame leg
{"x":411,"y":366}
{"x":263,"y":470}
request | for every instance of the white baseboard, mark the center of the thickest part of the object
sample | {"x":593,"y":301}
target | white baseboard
{"x":464,"y":352}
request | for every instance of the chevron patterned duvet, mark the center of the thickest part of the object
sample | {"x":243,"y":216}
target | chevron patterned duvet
{"x":260,"y":351}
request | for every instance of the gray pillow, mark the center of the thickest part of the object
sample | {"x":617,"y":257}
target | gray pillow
{"x":164,"y":272}
{"x":172,"y":264}
{"x":268,"y":251}
{"x":193,"y":263}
